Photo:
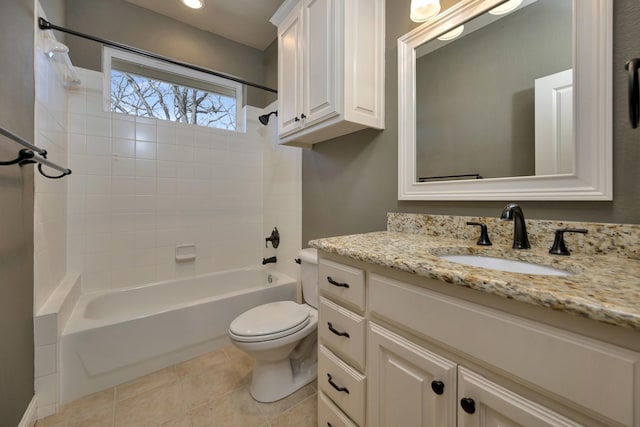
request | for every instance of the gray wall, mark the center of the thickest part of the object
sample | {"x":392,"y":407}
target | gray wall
{"x":475,"y":109}
{"x":350,"y":183}
{"x":16,"y":215}
{"x":131,"y":25}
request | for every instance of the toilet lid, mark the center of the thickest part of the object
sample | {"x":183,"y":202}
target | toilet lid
{"x":272,"y":320}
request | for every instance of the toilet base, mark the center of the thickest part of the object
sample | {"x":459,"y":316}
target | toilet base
{"x":273,"y":381}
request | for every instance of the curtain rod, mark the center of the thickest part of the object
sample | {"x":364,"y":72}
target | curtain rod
{"x":46,"y":25}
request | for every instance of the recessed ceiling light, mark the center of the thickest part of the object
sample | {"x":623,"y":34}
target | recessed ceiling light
{"x":193,"y":4}
{"x":505,"y":7}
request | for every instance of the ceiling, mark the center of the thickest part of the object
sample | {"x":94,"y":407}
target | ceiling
{"x":243,"y":21}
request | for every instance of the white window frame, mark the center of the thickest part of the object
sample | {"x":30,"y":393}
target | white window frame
{"x":109,"y":53}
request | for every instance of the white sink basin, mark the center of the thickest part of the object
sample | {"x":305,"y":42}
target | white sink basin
{"x":503,"y":264}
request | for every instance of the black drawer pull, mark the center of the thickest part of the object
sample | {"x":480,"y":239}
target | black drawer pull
{"x":329,"y":424}
{"x":337,"y":332}
{"x":334,"y":283}
{"x":334,"y":385}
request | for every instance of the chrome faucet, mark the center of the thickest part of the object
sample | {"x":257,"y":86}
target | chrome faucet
{"x":513,"y":212}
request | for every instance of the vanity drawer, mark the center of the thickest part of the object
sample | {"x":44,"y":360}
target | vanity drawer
{"x":343,"y":384}
{"x":342,"y":331}
{"x":330,"y":415}
{"x":595,"y":375}
{"x":344,"y":283}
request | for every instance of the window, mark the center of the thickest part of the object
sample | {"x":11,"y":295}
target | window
{"x":146,"y":87}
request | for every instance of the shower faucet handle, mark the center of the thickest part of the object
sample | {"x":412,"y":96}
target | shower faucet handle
{"x":274,"y":238}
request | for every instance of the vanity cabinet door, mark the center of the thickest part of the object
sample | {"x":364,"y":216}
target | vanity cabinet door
{"x":409,"y":386}
{"x":482,"y":403}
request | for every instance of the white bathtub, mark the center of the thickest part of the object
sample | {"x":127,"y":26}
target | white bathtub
{"x":115,"y":336}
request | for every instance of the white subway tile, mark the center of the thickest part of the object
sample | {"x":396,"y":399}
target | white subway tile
{"x":166,"y":134}
{"x":98,"y":145}
{"x":145,"y":150}
{"x":123,"y":167}
{"x":146,"y":167}
{"x":46,"y":389}
{"x":99,"y":126}
{"x":45,"y":329}
{"x":166,"y":152}
{"x":123,"y":222}
{"x":145,"y":186}
{"x":123,"y":185}
{"x":123,"y":129}
{"x":123,"y":147}
{"x":145,"y":132}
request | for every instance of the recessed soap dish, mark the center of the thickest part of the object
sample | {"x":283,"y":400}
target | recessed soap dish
{"x":185,"y":253}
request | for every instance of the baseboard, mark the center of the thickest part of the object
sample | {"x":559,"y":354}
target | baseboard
{"x":30,"y":415}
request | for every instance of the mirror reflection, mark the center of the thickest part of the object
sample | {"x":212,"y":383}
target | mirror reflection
{"x":497,"y":100}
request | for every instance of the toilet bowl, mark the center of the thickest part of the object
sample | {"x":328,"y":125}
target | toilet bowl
{"x":282,"y":339}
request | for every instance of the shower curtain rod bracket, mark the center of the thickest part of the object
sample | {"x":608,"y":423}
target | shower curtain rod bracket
{"x":24,"y":155}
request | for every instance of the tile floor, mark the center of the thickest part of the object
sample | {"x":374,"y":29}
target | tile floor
{"x":210,"y":390}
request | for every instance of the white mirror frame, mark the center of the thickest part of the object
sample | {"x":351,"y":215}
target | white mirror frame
{"x":592,"y":59}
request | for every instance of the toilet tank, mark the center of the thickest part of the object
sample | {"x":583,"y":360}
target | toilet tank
{"x":309,"y":276}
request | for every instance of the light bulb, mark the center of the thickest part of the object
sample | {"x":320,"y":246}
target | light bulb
{"x":193,"y":4}
{"x":422,"y":10}
{"x":505,"y":7}
{"x":452,"y":34}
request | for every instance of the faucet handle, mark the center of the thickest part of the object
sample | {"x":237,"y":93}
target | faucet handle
{"x":483,"y":240}
{"x":559,"y":247}
{"x":274,"y":238}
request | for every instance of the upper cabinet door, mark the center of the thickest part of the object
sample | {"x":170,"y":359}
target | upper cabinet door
{"x":290,"y":73}
{"x":330,"y":68}
{"x":320,"y":58}
{"x":482,"y":403}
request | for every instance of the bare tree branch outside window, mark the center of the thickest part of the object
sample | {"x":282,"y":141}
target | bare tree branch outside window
{"x":146,"y":97}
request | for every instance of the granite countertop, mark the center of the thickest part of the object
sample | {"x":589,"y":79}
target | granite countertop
{"x":603,"y":288}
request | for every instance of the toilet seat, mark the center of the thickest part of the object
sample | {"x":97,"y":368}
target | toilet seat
{"x":270,"y":321}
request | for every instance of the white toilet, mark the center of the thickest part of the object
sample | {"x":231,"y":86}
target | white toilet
{"x":282,"y":338}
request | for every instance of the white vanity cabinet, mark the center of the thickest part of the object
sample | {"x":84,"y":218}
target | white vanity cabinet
{"x":412,"y":386}
{"x":434,"y":359}
{"x":330,"y":68}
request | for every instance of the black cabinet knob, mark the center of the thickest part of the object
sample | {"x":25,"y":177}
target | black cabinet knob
{"x":468,"y":405}
{"x":303,"y":116}
{"x":437,"y":387}
{"x":296,"y":119}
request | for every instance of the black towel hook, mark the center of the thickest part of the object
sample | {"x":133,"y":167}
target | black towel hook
{"x":634,"y":91}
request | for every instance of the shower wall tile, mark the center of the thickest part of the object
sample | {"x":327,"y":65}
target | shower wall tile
{"x":143,"y":186}
{"x":50,"y":201}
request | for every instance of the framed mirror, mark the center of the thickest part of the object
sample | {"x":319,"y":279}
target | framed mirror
{"x":536,"y":126}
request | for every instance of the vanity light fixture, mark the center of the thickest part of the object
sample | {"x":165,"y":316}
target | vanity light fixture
{"x":452,"y":34}
{"x":422,"y":10}
{"x":506,"y":7}
{"x":193,"y":4}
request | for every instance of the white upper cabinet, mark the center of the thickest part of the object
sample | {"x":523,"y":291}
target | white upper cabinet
{"x":330,"y":68}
